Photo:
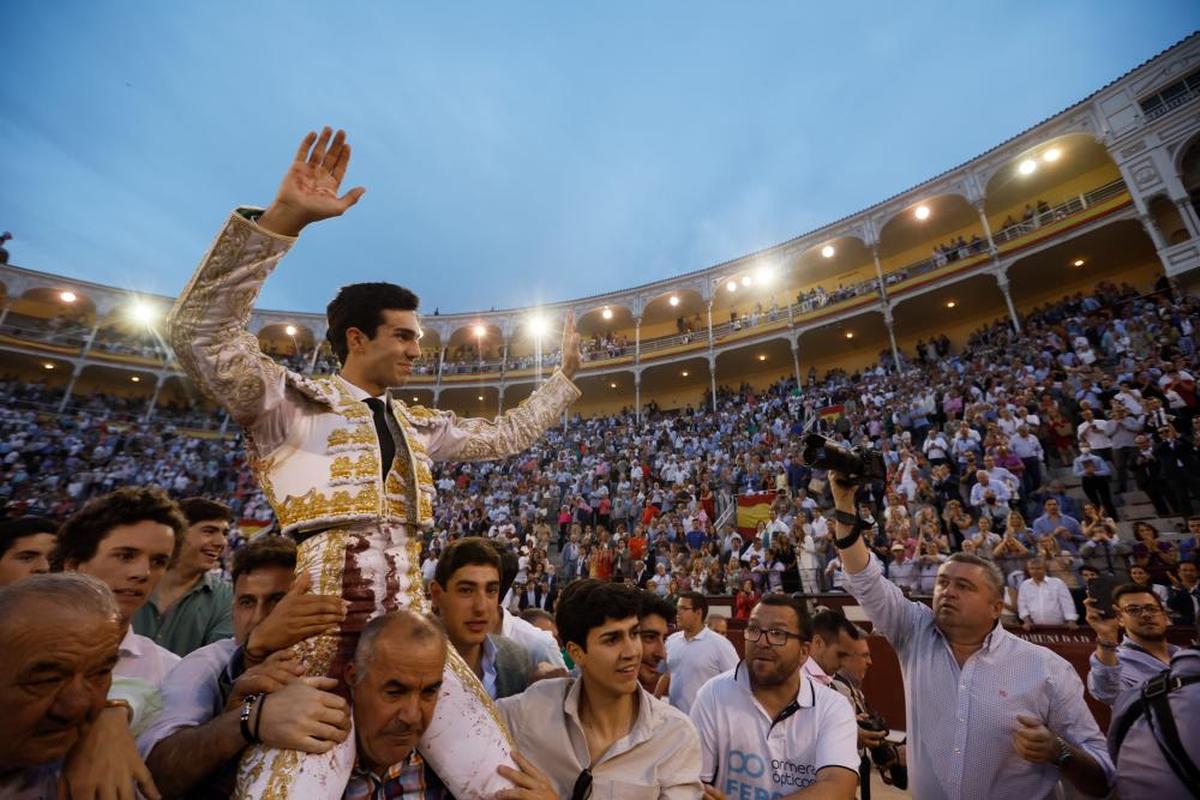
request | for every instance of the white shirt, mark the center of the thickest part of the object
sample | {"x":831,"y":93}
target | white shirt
{"x":1094,"y":434}
{"x":538,"y":643}
{"x":658,"y":758}
{"x":1045,"y":603}
{"x":691,"y":662}
{"x":746,"y":753}
{"x":141,"y":668}
{"x":191,"y":693}
{"x":140,"y":658}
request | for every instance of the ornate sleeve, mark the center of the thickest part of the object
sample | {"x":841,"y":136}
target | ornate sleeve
{"x":207,"y":326}
{"x":451,"y":438}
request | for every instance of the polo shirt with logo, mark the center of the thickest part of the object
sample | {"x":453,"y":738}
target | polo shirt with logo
{"x":747,"y":755}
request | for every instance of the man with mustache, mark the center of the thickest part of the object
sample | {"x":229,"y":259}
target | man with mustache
{"x":191,"y":606}
{"x":345,"y":464}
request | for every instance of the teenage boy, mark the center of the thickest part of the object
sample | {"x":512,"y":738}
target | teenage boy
{"x":602,"y":734}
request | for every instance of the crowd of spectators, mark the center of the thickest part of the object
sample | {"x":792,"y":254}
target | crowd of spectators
{"x":976,"y":442}
{"x":969,"y":438}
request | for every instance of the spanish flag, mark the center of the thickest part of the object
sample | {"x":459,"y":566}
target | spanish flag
{"x":251,"y":528}
{"x":752,"y":509}
{"x":831,"y":414}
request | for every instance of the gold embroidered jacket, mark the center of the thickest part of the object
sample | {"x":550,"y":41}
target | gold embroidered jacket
{"x":312,"y":442}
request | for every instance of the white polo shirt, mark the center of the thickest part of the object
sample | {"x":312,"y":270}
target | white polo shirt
{"x":691,"y":662}
{"x":746,"y":754}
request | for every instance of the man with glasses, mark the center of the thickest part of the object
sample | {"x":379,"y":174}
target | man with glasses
{"x":766,"y":728}
{"x":1143,"y":654}
{"x":694,"y":653}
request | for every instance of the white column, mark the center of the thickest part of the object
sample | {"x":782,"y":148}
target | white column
{"x":75,"y":370}
{"x":637,"y":340}
{"x":91,"y":340}
{"x":712,"y":378}
{"x":158,"y":384}
{"x":1187,"y":212}
{"x":1153,"y":231}
{"x":4,"y":309}
{"x":796,"y":360}
{"x":891,"y":329}
{"x":1002,"y":282}
{"x":637,"y":397}
{"x":710,"y":334}
{"x":500,"y":400}
{"x":879,"y":270}
{"x":987,"y":228}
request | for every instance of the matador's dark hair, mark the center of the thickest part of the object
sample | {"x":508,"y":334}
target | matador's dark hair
{"x":361,"y":305}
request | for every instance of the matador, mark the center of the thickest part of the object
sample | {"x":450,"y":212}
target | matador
{"x":345,"y":465}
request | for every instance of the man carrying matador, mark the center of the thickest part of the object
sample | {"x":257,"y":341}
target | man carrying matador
{"x":345,"y":465}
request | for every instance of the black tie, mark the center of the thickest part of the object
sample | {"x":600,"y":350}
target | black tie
{"x":387,"y":445}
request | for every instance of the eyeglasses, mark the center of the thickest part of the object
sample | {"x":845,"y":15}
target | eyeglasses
{"x":775,"y":637}
{"x":1140,"y":611}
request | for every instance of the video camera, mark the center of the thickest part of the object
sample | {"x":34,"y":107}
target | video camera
{"x":856,"y":467}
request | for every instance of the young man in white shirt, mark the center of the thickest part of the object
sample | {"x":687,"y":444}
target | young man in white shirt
{"x":768,"y":730}
{"x":694,"y":653}
{"x":127,"y":539}
{"x":601,"y":734}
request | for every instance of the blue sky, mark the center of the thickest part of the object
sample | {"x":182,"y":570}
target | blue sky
{"x":515,"y":152}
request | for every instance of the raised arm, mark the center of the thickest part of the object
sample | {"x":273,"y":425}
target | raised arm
{"x":450,"y":437}
{"x":893,"y":614}
{"x":207,"y":326}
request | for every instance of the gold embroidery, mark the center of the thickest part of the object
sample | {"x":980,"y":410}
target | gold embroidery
{"x":470,"y":683}
{"x":316,"y":506}
{"x":206,"y":327}
{"x":420,"y":413}
{"x":363,"y":435}
{"x":344,"y":469}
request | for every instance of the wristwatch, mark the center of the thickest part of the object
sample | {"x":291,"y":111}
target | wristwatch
{"x":1064,"y":752}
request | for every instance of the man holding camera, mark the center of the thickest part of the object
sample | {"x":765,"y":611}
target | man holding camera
{"x":873,"y":745}
{"x":990,"y":715}
{"x":1144,"y":653}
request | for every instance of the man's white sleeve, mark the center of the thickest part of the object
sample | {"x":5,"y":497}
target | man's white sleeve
{"x":704,"y":718}
{"x":837,"y":744}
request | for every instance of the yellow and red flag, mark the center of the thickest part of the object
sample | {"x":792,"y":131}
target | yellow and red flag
{"x":752,"y":509}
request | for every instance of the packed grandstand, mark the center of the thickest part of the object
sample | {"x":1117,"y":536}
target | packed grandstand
{"x":1019,"y":316}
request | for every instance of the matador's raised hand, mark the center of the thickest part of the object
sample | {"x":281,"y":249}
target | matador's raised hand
{"x":309,"y":191}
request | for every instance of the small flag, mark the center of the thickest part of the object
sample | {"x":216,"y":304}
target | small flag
{"x":752,"y":509}
{"x":831,"y":414}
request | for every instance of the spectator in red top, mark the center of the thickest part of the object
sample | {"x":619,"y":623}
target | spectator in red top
{"x":745,"y":600}
{"x":637,"y":544}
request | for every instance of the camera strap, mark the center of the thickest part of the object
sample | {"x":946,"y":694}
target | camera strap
{"x":857,"y":526}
